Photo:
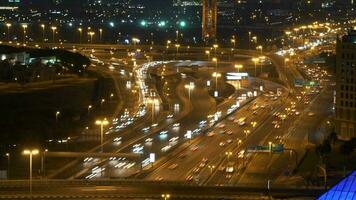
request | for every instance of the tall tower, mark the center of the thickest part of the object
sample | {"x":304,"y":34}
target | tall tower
{"x":209,"y":20}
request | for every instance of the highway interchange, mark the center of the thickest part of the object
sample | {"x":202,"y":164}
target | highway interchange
{"x":197,"y":140}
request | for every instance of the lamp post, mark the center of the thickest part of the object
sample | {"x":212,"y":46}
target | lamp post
{"x":190,"y":87}
{"x":228,"y":154}
{"x":233,"y":41}
{"x":166,"y":196}
{"x":89,"y":108}
{"x":153,"y":101}
{"x":216,"y":75}
{"x":255,"y":60}
{"x":249,"y":40}
{"x":177,"y":47}
{"x":57,"y":114}
{"x":102,"y":123}
{"x":207,"y":52}
{"x":238,"y":67}
{"x":91,"y":34}
{"x":43,"y":32}
{"x":8,"y":165}
{"x":261,"y":58}
{"x":24,"y":26}
{"x":211,"y":167}
{"x":215,"y":46}
{"x":8,"y":25}
{"x":53,"y":33}
{"x":31,"y":153}
{"x":80,"y":35}
{"x":270,"y":146}
{"x":100,"y":34}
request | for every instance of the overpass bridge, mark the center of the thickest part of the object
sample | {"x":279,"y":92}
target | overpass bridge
{"x":143,"y":189}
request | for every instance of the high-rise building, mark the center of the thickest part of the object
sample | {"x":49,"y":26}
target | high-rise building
{"x":345,"y":108}
{"x":209,"y":21}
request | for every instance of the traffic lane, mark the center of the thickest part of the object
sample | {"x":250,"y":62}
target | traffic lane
{"x":257,"y":172}
{"x":253,"y":139}
{"x":205,"y":150}
{"x":126,"y":147}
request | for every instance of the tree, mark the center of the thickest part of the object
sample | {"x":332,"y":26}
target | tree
{"x":323,"y":149}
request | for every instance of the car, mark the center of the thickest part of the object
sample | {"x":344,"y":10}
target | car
{"x":228,"y":176}
{"x":222,"y":131}
{"x":202,"y":164}
{"x":196,"y":170}
{"x":176,"y":125}
{"x":229,"y":141}
{"x":194,"y":148}
{"x":229,"y":132}
{"x":204,"y":159}
{"x":173,"y":166}
{"x":159,"y":178}
{"x":310,"y":114}
{"x":210,"y":134}
{"x":222,"y":144}
{"x":277,"y":126}
{"x":169,"y":116}
{"x":189,"y":178}
{"x":297,"y":113}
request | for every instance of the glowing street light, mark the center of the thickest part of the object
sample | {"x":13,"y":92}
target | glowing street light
{"x":215,"y":46}
{"x":24,"y":26}
{"x":100,"y":34}
{"x":8,"y":164}
{"x":91,"y":34}
{"x":228,"y":154}
{"x":8,"y":25}
{"x":238,"y":67}
{"x":53,"y":32}
{"x":43,"y":32}
{"x":189,"y":87}
{"x":255,"y":60}
{"x":166,"y":196}
{"x":211,"y":167}
{"x":89,"y":108}
{"x":80,"y":35}
{"x":57,"y":114}
{"x":102,"y":123}
{"x":233,"y":41}
{"x":216,"y":75}
{"x":30,"y":153}
{"x":153,"y":101}
{"x":207,"y":52}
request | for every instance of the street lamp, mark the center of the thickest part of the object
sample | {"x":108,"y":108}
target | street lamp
{"x":238,"y":67}
{"x":57,"y":114}
{"x":211,"y":167}
{"x":233,"y":41}
{"x":270,"y":146}
{"x":177,"y":46}
{"x":207,"y":52}
{"x":89,"y":108}
{"x":102,"y":123}
{"x":261,"y":59}
{"x":285,"y":62}
{"x":228,"y":154}
{"x":215,"y":46}
{"x":31,"y":153}
{"x":43,"y":32}
{"x":102,"y":102}
{"x":53,"y":32}
{"x":101,"y":34}
{"x":249,"y":40}
{"x":216,"y":75}
{"x":8,"y":164}
{"x":216,"y":63}
{"x":8,"y":25}
{"x":255,"y":60}
{"x":189,"y":87}
{"x":166,"y":196}
{"x":153,"y":101}
{"x":24,"y":26}
{"x":91,"y":34}
{"x":135,"y":41}
{"x":80,"y":35}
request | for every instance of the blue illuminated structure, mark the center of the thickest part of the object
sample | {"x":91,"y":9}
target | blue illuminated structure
{"x":344,"y":190}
